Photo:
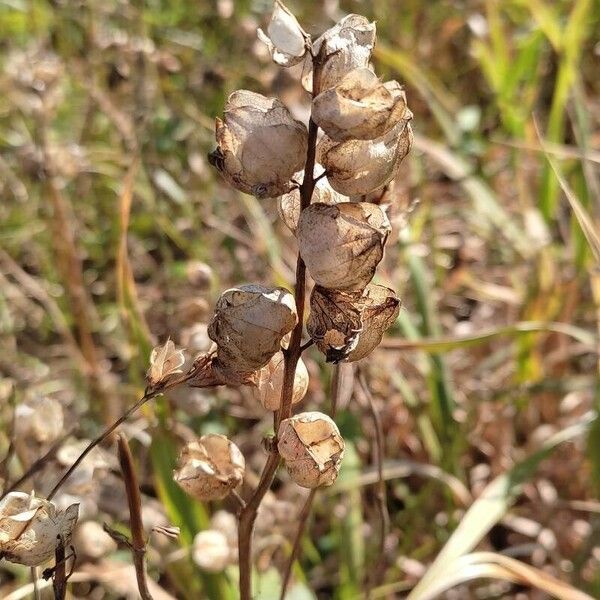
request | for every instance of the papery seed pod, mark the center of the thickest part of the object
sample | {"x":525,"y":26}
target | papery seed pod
{"x":360,"y":107}
{"x":249,"y":324}
{"x":288,"y":205}
{"x":270,"y":382}
{"x":379,"y":159}
{"x":286,"y":40}
{"x":211,"y":551}
{"x":92,"y":542}
{"x":342,"y":244}
{"x":335,"y":322}
{"x":38,"y":419}
{"x":30,"y":526}
{"x":209,"y":468}
{"x":165,"y":361}
{"x":312,"y":448}
{"x":380,"y":309}
{"x":346,"y":46}
{"x":260,"y":145}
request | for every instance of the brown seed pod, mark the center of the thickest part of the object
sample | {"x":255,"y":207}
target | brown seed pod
{"x":360,"y":107}
{"x":249,"y":324}
{"x":380,"y":308}
{"x":211,"y":551}
{"x":30,"y":526}
{"x":335,"y":322}
{"x":342,"y":244}
{"x":209,"y":468}
{"x":312,"y":448}
{"x":269,"y":382}
{"x":260,"y":145}
{"x":378,"y":159}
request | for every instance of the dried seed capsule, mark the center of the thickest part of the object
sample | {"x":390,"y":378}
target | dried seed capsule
{"x":379,"y":159}
{"x":342,"y":244}
{"x":360,"y":107}
{"x":211,"y":551}
{"x":335,"y":322}
{"x":209,"y":468}
{"x":312,"y":448}
{"x":347,"y":46}
{"x":260,"y":145}
{"x":379,"y":311}
{"x":92,"y":542}
{"x":30,"y":526}
{"x":249,"y":324}
{"x":289,"y":204}
{"x":286,"y":40}
{"x":165,"y":361}
{"x":270,"y":383}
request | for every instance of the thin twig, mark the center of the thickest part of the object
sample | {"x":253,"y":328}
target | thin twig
{"x":134,"y":501}
{"x":59,"y":580}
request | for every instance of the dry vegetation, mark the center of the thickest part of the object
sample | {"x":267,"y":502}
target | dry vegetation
{"x":116,"y":234}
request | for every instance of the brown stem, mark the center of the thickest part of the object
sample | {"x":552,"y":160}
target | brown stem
{"x":59,"y":580}
{"x":134,"y":500}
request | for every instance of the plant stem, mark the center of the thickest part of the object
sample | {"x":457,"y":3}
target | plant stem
{"x":134,"y":500}
{"x":59,"y":581}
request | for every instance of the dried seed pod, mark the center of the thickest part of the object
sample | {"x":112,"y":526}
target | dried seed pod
{"x":342,"y":244}
{"x":249,"y":324}
{"x":379,"y":311}
{"x":270,"y":382}
{"x":165,"y":361}
{"x":30,"y":527}
{"x":360,"y":107}
{"x":379,"y":159}
{"x":335,"y":322}
{"x":346,"y":46}
{"x":92,"y":542}
{"x":209,"y":468}
{"x":211,"y":551}
{"x":312,"y":448}
{"x":289,"y":204}
{"x":260,"y":145}
{"x":286,"y":40}
{"x":39,"y":420}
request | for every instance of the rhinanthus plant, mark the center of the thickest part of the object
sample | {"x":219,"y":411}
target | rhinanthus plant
{"x":321,"y":173}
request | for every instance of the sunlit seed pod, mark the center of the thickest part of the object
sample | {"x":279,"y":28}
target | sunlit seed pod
{"x":199,"y":274}
{"x":342,"y":244}
{"x":227,"y":524}
{"x":289,"y":204}
{"x":92,"y":542}
{"x":360,"y":107}
{"x":380,"y":309}
{"x":335,"y":322}
{"x":286,"y":40}
{"x":270,"y":383}
{"x":209,"y":468}
{"x":211,"y":551}
{"x":249,"y":324}
{"x":30,"y":528}
{"x":260,"y":145}
{"x":346,"y":46}
{"x":378,"y":159}
{"x":312,"y":448}
{"x":38,"y":419}
{"x":165,"y":361}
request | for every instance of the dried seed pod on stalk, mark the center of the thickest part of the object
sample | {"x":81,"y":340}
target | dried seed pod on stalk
{"x":286,"y":40}
{"x":335,"y":322}
{"x":165,"y":361}
{"x":346,"y":46}
{"x":209,"y":468}
{"x":249,"y":324}
{"x":260,"y":145}
{"x":360,"y":107}
{"x":357,"y":167}
{"x":211,"y":551}
{"x":342,"y":244}
{"x":312,"y":448}
{"x":30,"y":527}
{"x":269,"y":382}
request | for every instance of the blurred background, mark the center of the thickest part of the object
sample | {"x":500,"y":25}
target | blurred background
{"x":115,"y":234}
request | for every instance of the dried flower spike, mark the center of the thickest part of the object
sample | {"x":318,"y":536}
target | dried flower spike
{"x":312,"y":448}
{"x":379,"y":159}
{"x":360,"y":107}
{"x":165,"y":361}
{"x":249,"y":324}
{"x":286,"y":40}
{"x":260,"y":145}
{"x":270,"y":382}
{"x":342,"y":244}
{"x":30,"y":526}
{"x":208,"y":469}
